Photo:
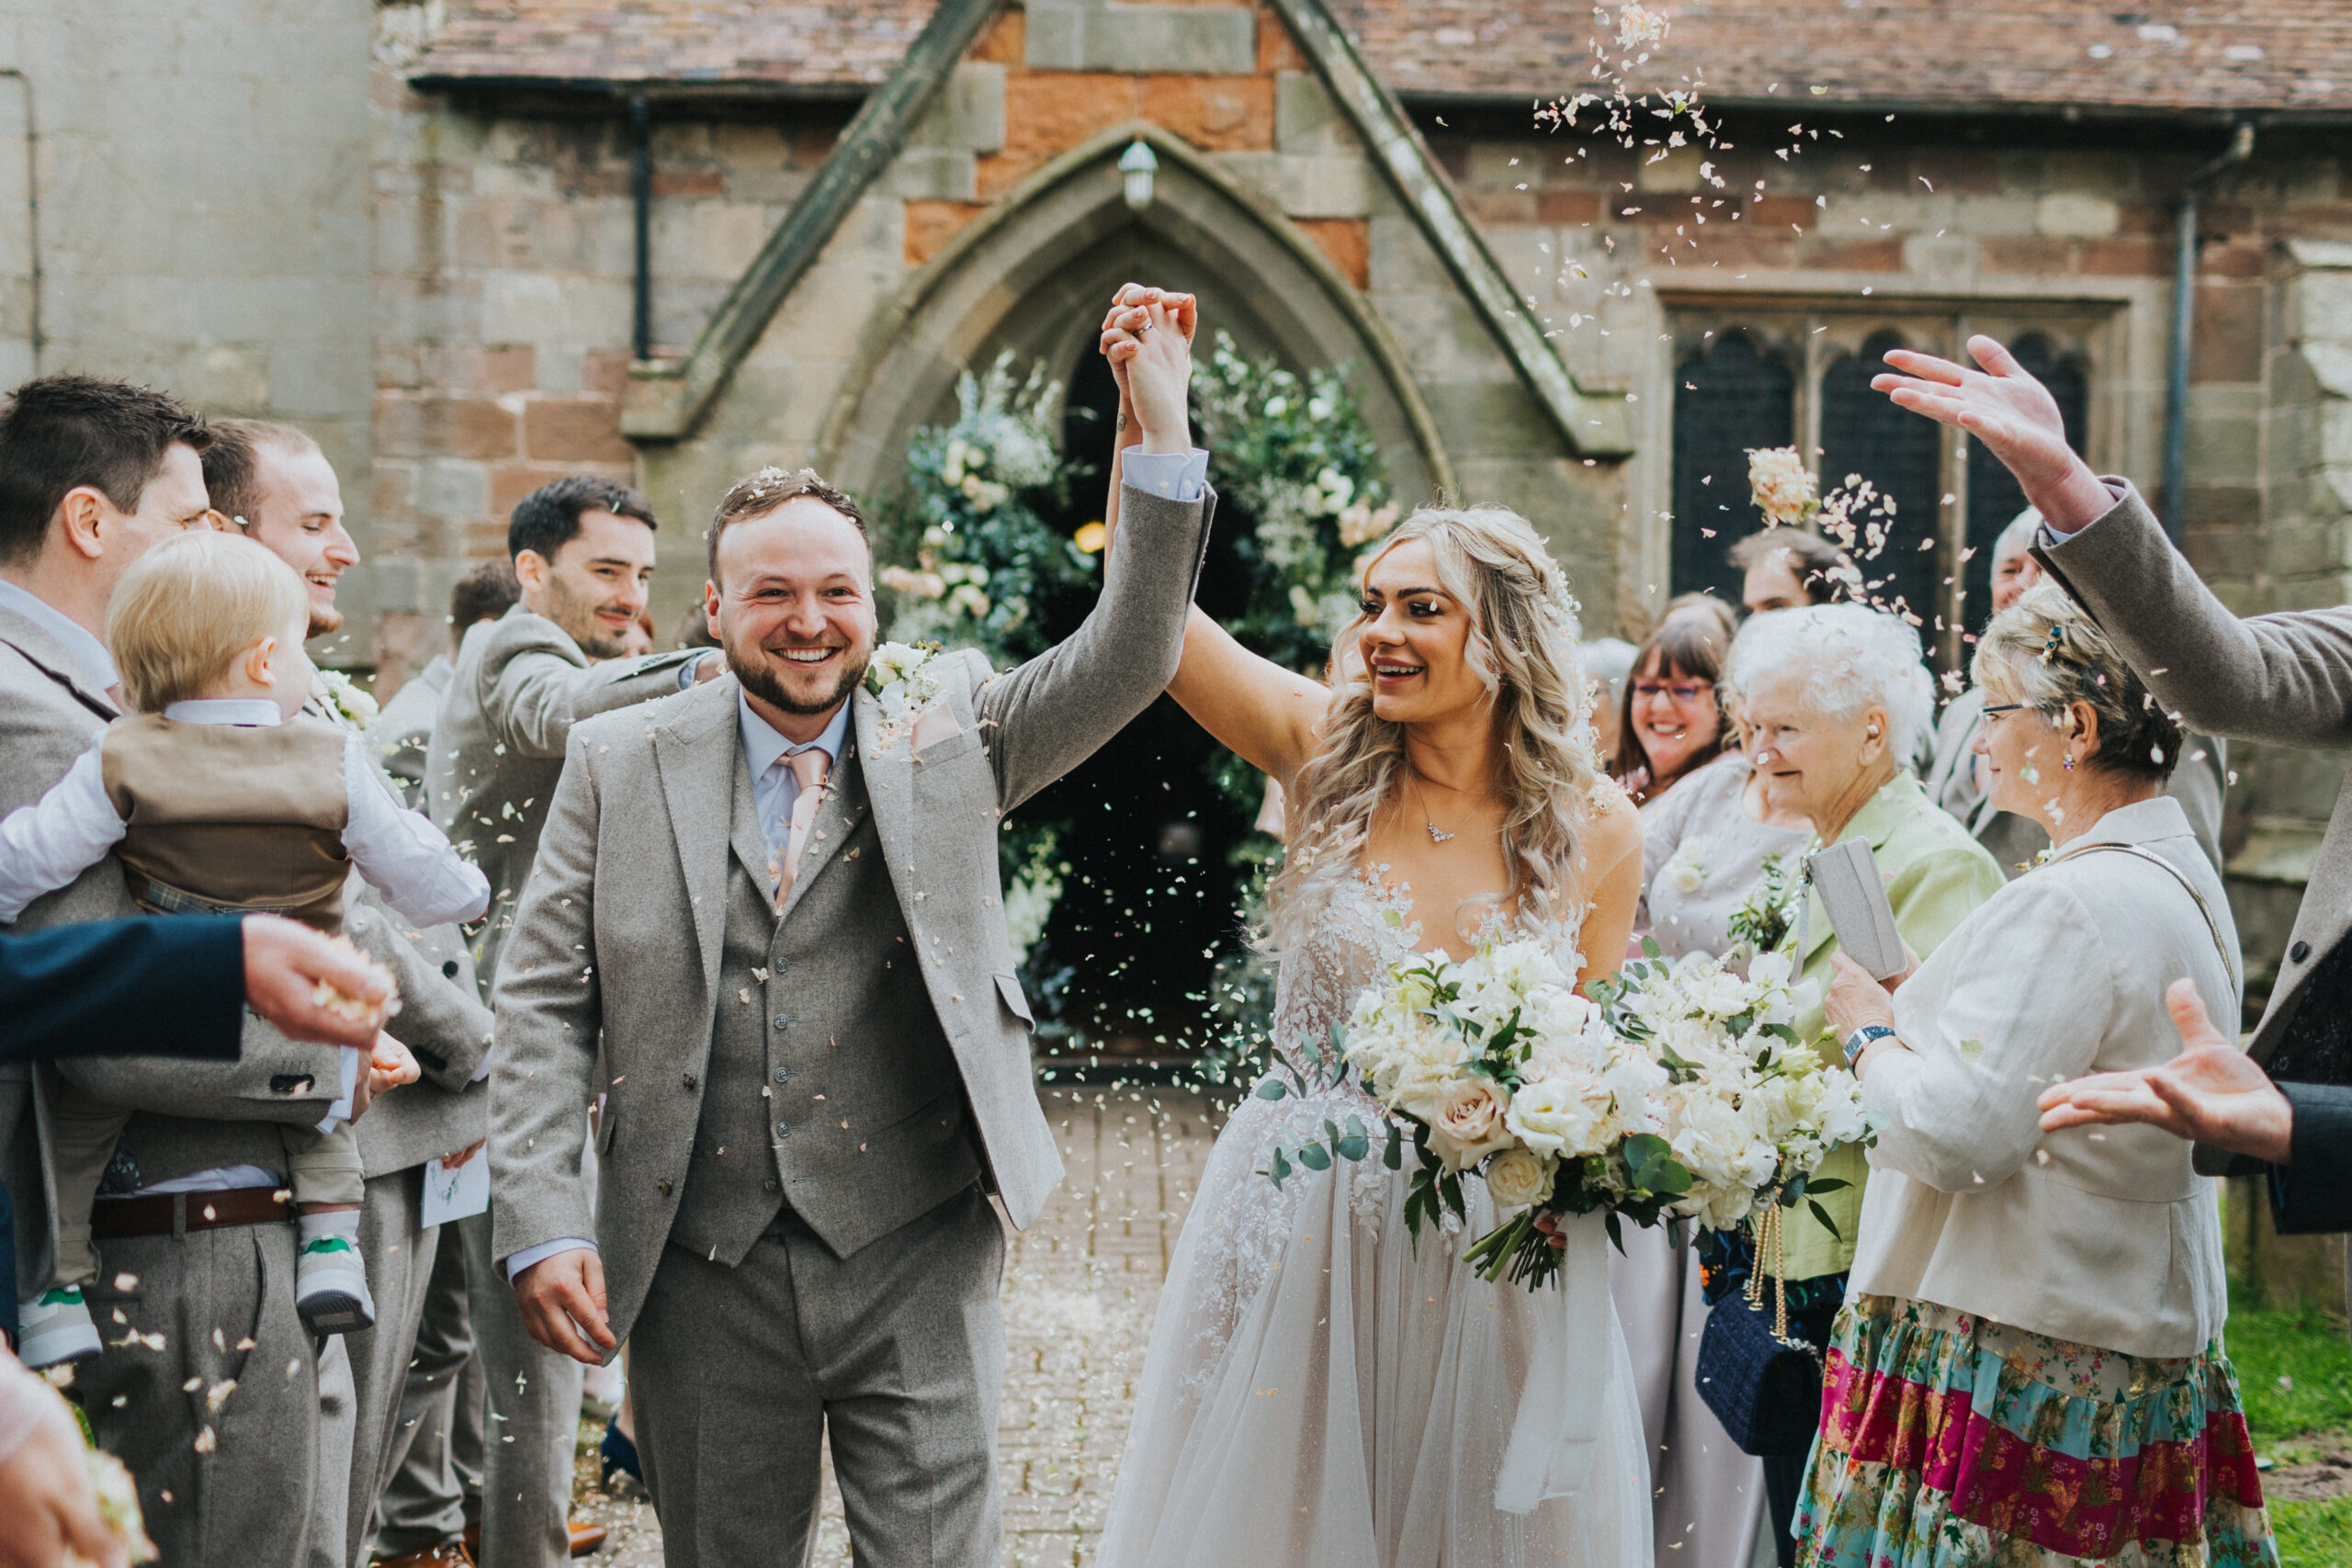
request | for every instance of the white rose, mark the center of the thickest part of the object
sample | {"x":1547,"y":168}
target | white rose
{"x":1466,"y":1121}
{"x":1516,"y":1178}
{"x":1559,"y":1115}
{"x":1422,"y":1063}
{"x":1770,"y":969}
{"x":1720,"y":995}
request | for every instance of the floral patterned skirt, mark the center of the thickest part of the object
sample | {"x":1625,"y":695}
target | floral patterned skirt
{"x":1948,"y":1441}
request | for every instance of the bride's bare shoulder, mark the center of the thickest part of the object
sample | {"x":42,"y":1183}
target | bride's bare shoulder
{"x":1613,"y":828}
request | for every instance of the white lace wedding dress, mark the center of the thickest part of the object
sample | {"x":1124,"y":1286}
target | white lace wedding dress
{"x":1321,"y":1391}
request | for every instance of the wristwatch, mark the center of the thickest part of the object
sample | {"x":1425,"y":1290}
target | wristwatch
{"x":1858,"y":1041}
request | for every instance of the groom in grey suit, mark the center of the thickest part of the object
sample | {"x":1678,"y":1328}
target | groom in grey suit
{"x":776,"y":899}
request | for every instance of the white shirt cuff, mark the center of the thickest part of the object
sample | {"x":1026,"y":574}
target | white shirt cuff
{"x":1178,"y":476}
{"x":544,"y":1251}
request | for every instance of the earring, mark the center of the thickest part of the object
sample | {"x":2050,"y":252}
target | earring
{"x":2070,"y":762}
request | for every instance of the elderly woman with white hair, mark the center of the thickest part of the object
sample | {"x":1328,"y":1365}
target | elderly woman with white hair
{"x":1830,"y":697}
{"x":1956,"y":778}
{"x":2029,"y":1368}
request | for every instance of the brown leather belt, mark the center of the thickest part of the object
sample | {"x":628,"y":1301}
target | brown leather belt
{"x":177,"y":1213}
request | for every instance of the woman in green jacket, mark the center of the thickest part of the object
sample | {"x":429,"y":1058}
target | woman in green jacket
{"x":1834,"y":699}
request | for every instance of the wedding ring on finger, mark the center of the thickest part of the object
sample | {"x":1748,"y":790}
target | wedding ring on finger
{"x":1141,"y":327}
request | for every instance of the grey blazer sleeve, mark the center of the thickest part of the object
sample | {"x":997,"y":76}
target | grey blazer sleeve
{"x":276,"y":1080}
{"x":2285,"y":678}
{"x":442,"y":1019}
{"x":1052,"y":713}
{"x":2314,"y":1194}
{"x":549,"y":1002}
{"x":533,"y":695}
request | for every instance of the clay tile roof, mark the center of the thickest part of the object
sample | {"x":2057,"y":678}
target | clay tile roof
{"x":2212,"y":55}
{"x":799,"y":43}
{"x":2218,"y":55}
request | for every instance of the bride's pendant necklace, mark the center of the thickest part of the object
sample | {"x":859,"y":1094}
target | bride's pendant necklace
{"x":1437,"y":835}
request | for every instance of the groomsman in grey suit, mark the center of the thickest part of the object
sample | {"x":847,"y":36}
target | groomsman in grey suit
{"x":776,"y":899}
{"x":206,"y":1388}
{"x":582,"y":550}
{"x":403,"y":733}
{"x":274,"y":480}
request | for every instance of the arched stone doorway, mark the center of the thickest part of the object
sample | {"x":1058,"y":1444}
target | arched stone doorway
{"x":1151,"y":881}
{"x":1036,"y":272}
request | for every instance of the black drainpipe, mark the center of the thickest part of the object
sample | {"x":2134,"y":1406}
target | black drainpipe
{"x":2184,"y":316}
{"x":641,"y":120}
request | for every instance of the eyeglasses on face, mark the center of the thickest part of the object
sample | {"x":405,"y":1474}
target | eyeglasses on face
{"x":1681,"y":692}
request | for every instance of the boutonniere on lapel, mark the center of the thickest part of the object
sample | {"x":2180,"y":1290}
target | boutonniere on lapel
{"x":342,"y":695}
{"x":904,"y":681}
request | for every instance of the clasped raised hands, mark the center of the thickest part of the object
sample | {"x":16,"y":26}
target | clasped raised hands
{"x":1147,"y":338}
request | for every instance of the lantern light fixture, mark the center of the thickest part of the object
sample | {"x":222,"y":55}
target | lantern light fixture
{"x":1137,"y":164}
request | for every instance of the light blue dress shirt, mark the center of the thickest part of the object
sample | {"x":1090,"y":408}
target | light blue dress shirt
{"x":775,"y":786}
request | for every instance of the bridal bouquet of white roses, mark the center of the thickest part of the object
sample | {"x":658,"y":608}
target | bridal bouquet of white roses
{"x":1748,"y":1109}
{"x":1681,"y":1090}
{"x":1497,"y":1067}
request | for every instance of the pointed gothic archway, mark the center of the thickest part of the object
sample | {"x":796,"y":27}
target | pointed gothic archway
{"x":1036,"y":272}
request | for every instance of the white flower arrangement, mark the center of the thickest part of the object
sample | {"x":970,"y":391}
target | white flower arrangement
{"x":1680,"y":1090}
{"x":348,"y":699}
{"x":902,"y":678}
{"x":1495,"y":1065}
{"x":1748,"y":1109}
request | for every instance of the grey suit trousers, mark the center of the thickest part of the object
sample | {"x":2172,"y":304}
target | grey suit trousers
{"x":399,"y":1253}
{"x":530,"y":1427}
{"x":244,"y":1494}
{"x":897,"y":1352}
{"x":433,"y":1466}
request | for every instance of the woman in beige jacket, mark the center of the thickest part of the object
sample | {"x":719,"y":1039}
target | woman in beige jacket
{"x":2029,"y":1365}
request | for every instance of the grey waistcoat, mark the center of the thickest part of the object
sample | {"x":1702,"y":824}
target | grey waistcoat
{"x":830,"y":1086}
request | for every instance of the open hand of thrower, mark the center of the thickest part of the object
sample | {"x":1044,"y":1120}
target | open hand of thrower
{"x":2003,"y":406}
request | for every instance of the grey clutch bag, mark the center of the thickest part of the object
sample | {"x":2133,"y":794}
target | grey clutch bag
{"x":1846,"y":876}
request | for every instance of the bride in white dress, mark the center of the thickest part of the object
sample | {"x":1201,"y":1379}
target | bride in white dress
{"x":1319,"y":1389}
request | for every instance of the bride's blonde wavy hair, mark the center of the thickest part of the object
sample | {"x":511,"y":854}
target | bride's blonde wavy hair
{"x":1522,"y":649}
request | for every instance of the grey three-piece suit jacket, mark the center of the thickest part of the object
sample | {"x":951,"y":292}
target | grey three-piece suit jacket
{"x":864,"y":1055}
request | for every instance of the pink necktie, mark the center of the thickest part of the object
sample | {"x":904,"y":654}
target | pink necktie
{"x":809,"y":767}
